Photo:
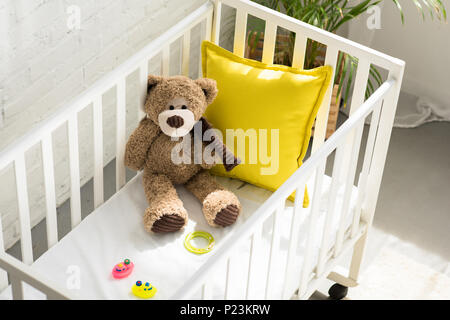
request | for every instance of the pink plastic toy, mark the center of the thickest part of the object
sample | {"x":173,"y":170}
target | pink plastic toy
{"x":123,"y":269}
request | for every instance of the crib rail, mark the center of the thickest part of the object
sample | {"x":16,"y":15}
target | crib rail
{"x":345,"y":143}
{"x":68,"y":115}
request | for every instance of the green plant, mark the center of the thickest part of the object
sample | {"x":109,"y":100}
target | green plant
{"x":330,"y":15}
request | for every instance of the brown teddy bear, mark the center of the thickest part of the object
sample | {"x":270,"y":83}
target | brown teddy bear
{"x":173,"y":106}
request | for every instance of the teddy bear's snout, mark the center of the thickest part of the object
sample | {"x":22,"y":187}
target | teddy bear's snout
{"x":175,"y":121}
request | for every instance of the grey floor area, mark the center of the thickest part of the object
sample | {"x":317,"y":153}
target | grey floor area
{"x":414,"y":201}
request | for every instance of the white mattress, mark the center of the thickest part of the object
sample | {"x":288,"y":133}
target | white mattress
{"x":115,"y":231}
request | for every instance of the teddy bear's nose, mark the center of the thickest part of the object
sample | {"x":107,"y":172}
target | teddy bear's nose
{"x":175,"y":121}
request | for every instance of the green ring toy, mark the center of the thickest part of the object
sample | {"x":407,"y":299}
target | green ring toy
{"x":199,"y":234}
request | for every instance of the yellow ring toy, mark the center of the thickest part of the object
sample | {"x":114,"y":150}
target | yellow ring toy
{"x":199,"y":234}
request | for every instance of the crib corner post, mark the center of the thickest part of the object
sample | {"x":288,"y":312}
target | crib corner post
{"x":375,"y":176}
{"x":357,"y":257}
{"x":381,"y":146}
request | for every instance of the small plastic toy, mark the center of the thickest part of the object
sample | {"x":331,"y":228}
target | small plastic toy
{"x":201,"y":234}
{"x":123,"y":269}
{"x":143,"y":290}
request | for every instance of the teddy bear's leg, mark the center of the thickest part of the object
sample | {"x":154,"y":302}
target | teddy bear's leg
{"x":220,"y":206}
{"x":166,"y":212}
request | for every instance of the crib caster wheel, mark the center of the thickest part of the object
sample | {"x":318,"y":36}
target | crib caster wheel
{"x":337,"y":292}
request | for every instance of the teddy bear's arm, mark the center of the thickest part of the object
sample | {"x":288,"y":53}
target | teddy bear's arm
{"x":229,"y":160}
{"x":139,"y":143}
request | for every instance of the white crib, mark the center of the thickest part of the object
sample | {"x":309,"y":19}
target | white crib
{"x":313,"y":240}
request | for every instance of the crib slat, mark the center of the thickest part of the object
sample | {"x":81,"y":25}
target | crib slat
{"x":17,"y":288}
{"x":362,"y":74}
{"x":293,"y":238}
{"x":49,"y":183}
{"x":186,"y":53}
{"x":298,"y":59}
{"x":3,"y":280}
{"x":255,"y":241}
{"x":349,"y":187}
{"x":239,"y":32}
{"x":352,"y":145}
{"x":362,"y":184}
{"x":274,"y":249}
{"x":331,"y":210}
{"x":205,"y":35}
{"x":228,"y":278}
{"x":165,"y":62}
{"x":315,"y":207}
{"x":209,"y":21}
{"x":120,"y":133}
{"x":216,"y":21}
{"x":206,"y":291}
{"x":3,"y":274}
{"x":143,"y":78}
{"x":98,"y":152}
{"x":320,"y":128}
{"x":200,"y":65}
{"x":24,"y":210}
{"x":74,"y":163}
{"x":270,"y":35}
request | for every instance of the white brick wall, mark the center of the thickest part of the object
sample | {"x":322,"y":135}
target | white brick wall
{"x":44,"y":65}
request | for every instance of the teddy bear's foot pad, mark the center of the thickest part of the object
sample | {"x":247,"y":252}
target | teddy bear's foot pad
{"x":168,"y":223}
{"x":227,"y":216}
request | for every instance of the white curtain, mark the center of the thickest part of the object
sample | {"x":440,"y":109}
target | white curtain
{"x":423,"y":111}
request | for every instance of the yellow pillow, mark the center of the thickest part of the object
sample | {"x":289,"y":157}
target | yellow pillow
{"x":274,"y":106}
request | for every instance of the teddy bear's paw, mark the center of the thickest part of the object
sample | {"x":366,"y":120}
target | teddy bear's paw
{"x":227,"y":216}
{"x":163,"y":223}
{"x":221,"y":208}
{"x":168,"y":223}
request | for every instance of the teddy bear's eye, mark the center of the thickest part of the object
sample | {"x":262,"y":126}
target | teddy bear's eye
{"x":184,"y":107}
{"x":171,"y":107}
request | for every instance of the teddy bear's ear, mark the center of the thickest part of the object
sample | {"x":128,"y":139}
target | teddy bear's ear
{"x":209,"y":87}
{"x":152,"y":82}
